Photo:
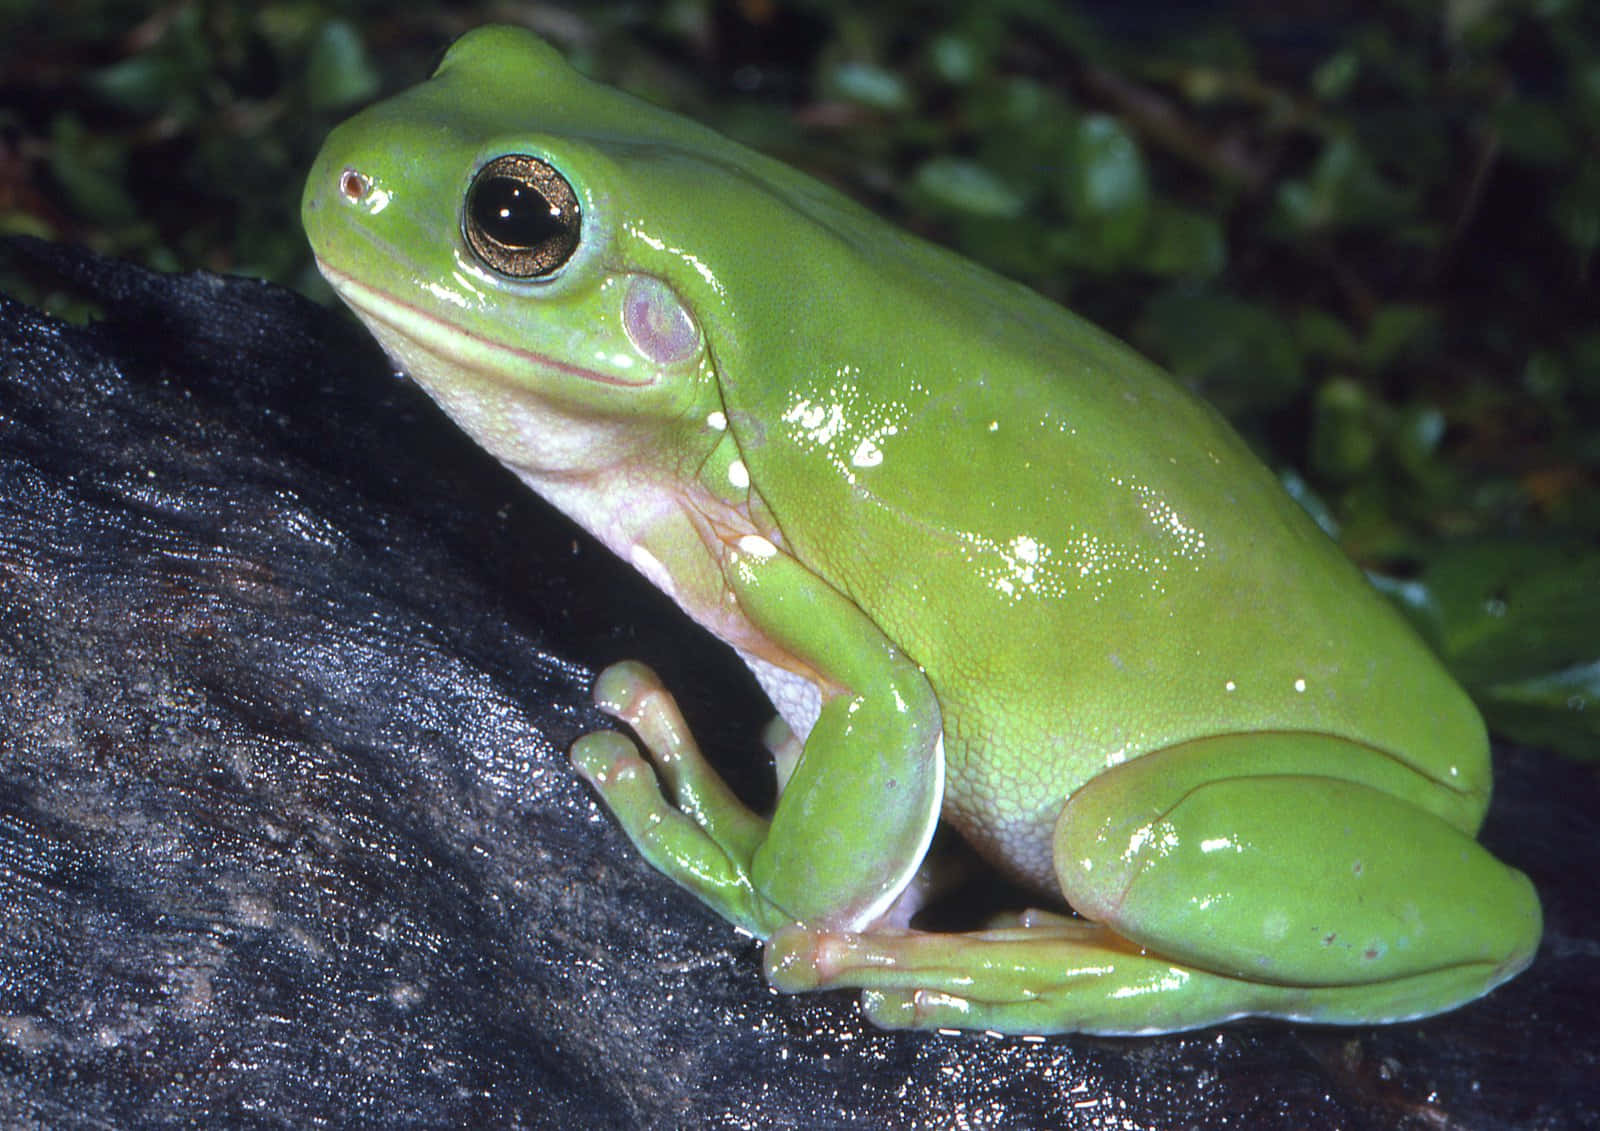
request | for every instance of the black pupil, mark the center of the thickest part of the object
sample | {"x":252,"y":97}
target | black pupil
{"x":513,"y":213}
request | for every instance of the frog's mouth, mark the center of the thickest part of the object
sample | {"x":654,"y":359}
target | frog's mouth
{"x":390,"y":318}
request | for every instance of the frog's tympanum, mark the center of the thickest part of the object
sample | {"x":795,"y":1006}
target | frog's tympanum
{"x":991,"y":567}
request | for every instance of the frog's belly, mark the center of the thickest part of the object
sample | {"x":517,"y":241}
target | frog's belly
{"x":1008,"y":818}
{"x":796,"y":699}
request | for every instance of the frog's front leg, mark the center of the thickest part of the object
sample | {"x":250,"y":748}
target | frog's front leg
{"x":854,"y":819}
{"x":1293,"y":876}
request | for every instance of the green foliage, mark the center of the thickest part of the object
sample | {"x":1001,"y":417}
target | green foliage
{"x":177,"y":135}
{"x":1370,"y":240}
{"x":1515,"y":620}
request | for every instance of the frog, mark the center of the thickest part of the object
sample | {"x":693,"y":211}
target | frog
{"x":996,"y":572}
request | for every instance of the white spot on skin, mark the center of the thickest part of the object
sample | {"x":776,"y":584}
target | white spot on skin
{"x":836,"y":419}
{"x":821,"y":423}
{"x":1185,"y":540}
{"x":1299,"y":685}
{"x":738,"y":474}
{"x":757,"y":547}
{"x":1082,"y":561}
{"x":1230,"y":686}
{"x":867,"y":454}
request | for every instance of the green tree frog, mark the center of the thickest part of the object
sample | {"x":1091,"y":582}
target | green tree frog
{"x":991,"y":567}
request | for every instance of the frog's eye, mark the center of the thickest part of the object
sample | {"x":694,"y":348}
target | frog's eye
{"x":522,"y":218}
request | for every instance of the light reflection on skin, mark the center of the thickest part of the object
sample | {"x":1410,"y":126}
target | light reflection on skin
{"x":1026,"y":567}
{"x":848,"y":427}
{"x":1166,"y":519}
{"x":697,"y":265}
{"x":852,"y":430}
{"x":1170,"y":979}
{"x":456,"y":295}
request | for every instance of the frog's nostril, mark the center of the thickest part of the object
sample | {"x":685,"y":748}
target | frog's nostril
{"x":353,"y":185}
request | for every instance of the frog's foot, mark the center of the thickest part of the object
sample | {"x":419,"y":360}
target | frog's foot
{"x":1054,"y":975}
{"x":704,"y":837}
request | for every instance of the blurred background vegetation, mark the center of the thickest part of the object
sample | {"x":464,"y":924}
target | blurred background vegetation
{"x":1368,"y":233}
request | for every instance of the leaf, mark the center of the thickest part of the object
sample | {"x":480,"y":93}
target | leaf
{"x":1560,"y":711}
{"x":1518,"y":623}
{"x":1103,"y":182}
{"x":967,"y":186}
{"x":868,"y":85}
{"x":1240,"y":353}
{"x":1182,"y":242}
{"x":1514,"y":610}
{"x":339,"y":72}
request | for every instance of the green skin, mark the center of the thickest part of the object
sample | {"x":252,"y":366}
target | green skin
{"x":990,"y":565}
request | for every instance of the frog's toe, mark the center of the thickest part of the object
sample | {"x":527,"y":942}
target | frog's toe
{"x":626,"y":782}
{"x":799,"y":958}
{"x":632,"y":692}
{"x":677,"y":845}
{"x":916,"y":1009}
{"x":612,"y":764}
{"x":900,"y":987}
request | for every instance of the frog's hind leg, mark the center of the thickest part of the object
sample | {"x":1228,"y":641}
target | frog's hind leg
{"x":1246,"y":875}
{"x":1060,"y":977}
{"x":1066,"y":978}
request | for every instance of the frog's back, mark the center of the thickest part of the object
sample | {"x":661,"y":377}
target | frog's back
{"x":1086,"y":560}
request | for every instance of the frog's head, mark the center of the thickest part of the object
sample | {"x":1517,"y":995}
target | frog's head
{"x":552,"y":259}
{"x":492,"y":260}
